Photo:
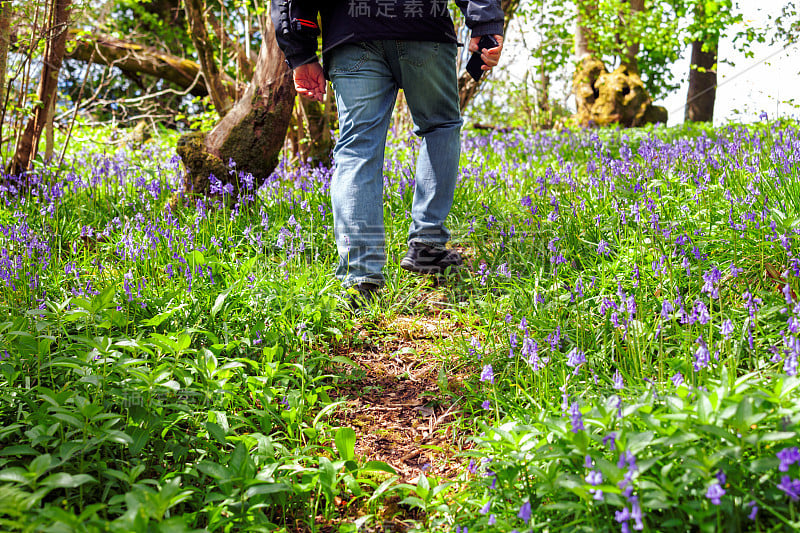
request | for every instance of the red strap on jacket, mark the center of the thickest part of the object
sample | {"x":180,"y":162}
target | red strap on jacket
{"x":307,"y":23}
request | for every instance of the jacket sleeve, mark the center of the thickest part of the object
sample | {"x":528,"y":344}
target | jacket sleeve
{"x":483,"y":17}
{"x":296,"y":30}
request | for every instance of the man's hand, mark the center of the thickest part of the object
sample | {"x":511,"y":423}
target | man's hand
{"x":490,"y":56}
{"x":309,"y":81}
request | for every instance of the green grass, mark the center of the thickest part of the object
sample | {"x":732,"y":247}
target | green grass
{"x":173,"y":368}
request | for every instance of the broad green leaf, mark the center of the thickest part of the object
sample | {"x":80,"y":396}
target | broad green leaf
{"x":346,"y":443}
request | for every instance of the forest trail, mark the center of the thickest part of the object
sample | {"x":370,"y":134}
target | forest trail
{"x":401,"y":400}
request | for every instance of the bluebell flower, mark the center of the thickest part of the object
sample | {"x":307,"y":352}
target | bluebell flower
{"x":666,"y":309}
{"x":575,"y":358}
{"x":594,"y":478}
{"x":701,"y":356}
{"x":622,"y":516}
{"x":714,"y":493}
{"x":619,"y":384}
{"x":787,"y":457}
{"x":753,"y":510}
{"x":525,"y":511}
{"x":726,"y":328}
{"x":791,"y":487}
{"x":576,"y":419}
{"x":636,"y":513}
{"x":487,"y":374}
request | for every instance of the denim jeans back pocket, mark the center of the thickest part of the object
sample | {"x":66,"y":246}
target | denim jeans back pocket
{"x":348,"y":57}
{"x":417,"y":53}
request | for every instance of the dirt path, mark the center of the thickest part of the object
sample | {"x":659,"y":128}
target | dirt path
{"x":400,"y":401}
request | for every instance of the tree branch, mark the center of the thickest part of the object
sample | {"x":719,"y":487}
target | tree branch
{"x":134,"y":59}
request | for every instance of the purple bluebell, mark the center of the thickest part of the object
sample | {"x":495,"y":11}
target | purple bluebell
{"x":575,"y":358}
{"x":787,"y":457}
{"x":576,"y":419}
{"x":619,"y":384}
{"x":726,"y":328}
{"x":753,"y":510}
{"x":594,"y":478}
{"x":525,"y":511}
{"x":714,"y":493}
{"x":711,"y":279}
{"x":666,"y":309}
{"x":487,"y":374}
{"x":636,"y":513}
{"x":702,"y":357}
{"x":622,"y":518}
{"x":791,"y":487}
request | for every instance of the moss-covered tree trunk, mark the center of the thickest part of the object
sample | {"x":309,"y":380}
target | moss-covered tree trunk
{"x":252,"y":133}
{"x":602,"y":97}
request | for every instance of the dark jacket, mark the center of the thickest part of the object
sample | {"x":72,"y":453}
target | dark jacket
{"x":348,"y":21}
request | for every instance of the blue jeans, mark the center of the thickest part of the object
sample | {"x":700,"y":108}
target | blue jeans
{"x":366,"y":77}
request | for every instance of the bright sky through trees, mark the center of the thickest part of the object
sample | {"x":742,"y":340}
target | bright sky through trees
{"x":769,"y":81}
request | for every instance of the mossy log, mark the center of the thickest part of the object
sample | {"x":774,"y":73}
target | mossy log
{"x":251,"y":134}
{"x":618,"y":97}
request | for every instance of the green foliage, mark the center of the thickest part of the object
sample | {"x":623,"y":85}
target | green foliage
{"x":175,"y":365}
{"x":669,"y":449}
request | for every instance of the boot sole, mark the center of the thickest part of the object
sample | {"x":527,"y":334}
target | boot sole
{"x":420,"y":269}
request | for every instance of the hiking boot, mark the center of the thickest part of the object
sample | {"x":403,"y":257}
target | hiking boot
{"x":361,"y":295}
{"x":424,"y":259}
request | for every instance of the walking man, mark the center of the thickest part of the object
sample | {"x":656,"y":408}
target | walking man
{"x":372,"y":48}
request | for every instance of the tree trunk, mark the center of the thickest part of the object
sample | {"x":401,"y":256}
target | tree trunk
{"x":583,"y":32}
{"x":55,"y":46}
{"x":467,"y":87}
{"x":221,"y":97}
{"x":631,"y":47}
{"x":134,"y":60}
{"x":49,"y":132}
{"x":702,"y":81}
{"x":251,"y":133}
{"x":5,"y":39}
{"x":543,"y":99}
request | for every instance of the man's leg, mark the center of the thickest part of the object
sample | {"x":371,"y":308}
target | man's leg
{"x":428,"y":78}
{"x":365,"y":95}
